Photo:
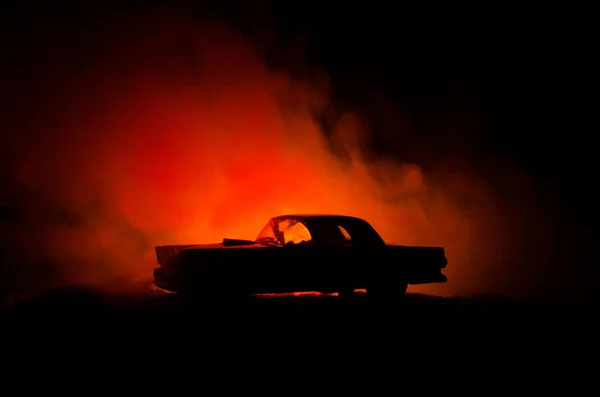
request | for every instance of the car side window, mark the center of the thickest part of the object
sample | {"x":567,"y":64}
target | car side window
{"x":345,"y":233}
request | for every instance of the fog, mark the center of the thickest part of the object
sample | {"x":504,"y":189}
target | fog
{"x":166,"y":130}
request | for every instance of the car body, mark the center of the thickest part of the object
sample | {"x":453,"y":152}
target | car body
{"x":295,"y":253}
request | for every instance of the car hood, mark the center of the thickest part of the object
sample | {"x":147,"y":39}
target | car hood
{"x":224,"y":246}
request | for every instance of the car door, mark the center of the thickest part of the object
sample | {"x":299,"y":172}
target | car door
{"x":306,"y":266}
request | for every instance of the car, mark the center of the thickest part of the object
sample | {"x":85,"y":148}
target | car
{"x":299,"y":253}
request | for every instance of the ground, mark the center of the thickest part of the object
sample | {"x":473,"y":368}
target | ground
{"x":164,"y":338}
{"x":356,"y":317}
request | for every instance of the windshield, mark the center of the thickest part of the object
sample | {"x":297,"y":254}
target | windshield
{"x":320,"y":230}
{"x":284,"y":232}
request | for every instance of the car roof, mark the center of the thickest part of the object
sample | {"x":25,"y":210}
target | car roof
{"x":314,"y":216}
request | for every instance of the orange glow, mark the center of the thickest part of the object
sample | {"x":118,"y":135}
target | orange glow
{"x":311,"y":293}
{"x":151,"y":146}
{"x":307,"y":293}
{"x":154,"y":288}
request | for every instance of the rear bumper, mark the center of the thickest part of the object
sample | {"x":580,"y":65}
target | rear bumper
{"x":163,"y":285}
{"x":163,"y":279}
{"x":158,"y":273}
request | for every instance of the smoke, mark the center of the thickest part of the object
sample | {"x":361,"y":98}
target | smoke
{"x":163,"y":130}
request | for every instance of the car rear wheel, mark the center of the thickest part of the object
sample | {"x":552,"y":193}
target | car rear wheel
{"x":387,"y":291}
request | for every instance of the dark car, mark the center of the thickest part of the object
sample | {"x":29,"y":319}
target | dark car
{"x":295,"y":253}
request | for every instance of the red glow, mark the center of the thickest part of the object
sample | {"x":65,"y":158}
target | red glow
{"x":150,"y":148}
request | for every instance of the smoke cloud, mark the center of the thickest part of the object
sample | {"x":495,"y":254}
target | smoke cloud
{"x":164,"y":130}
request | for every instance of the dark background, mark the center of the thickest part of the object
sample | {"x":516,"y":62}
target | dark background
{"x":476,"y":87}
